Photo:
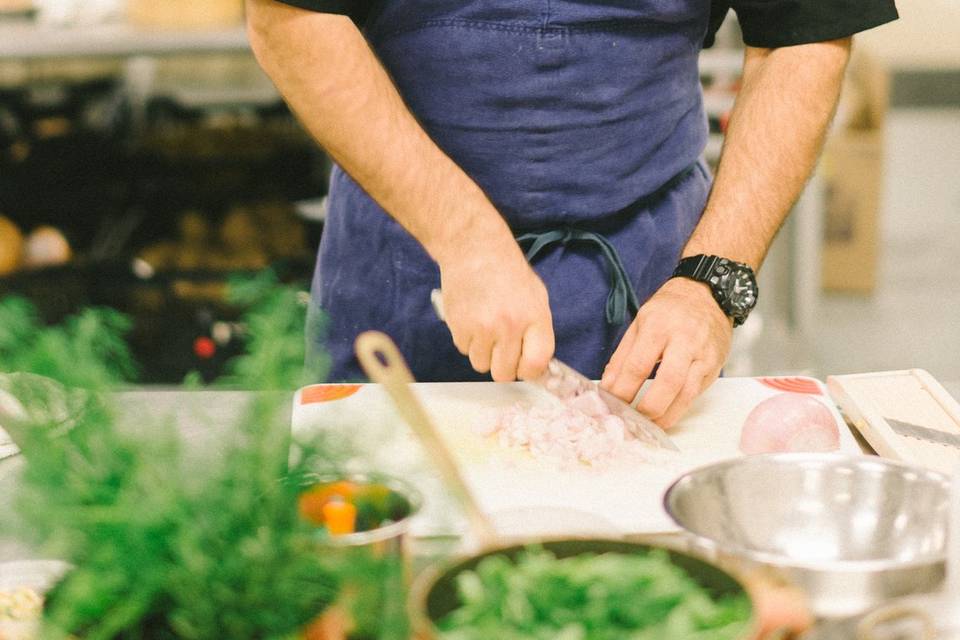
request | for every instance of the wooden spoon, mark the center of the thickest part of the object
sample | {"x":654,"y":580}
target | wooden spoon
{"x":382,"y":362}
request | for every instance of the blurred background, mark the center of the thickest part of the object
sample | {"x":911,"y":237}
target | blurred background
{"x":144,"y":156}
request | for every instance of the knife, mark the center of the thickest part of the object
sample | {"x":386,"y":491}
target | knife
{"x":563,"y":382}
{"x":924,"y":433}
{"x":8,"y":451}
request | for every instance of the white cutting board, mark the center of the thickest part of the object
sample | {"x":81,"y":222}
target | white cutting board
{"x":525,"y":496}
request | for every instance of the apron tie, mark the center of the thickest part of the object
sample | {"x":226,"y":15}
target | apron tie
{"x":623,"y":297}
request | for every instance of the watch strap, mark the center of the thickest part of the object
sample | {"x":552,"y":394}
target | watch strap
{"x":697,"y":267}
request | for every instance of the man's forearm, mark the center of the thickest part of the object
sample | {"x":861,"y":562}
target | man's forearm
{"x":329,"y":76}
{"x":775,"y":134}
{"x":496,"y":307}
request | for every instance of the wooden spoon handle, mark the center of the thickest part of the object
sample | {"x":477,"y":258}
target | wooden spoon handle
{"x":383,"y":363}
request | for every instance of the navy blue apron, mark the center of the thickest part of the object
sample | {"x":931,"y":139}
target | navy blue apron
{"x":581,"y":120}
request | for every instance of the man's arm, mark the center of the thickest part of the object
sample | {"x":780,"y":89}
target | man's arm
{"x":496,"y":306}
{"x":775,"y":134}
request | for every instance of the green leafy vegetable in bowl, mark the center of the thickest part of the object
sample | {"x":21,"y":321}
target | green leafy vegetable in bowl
{"x":609,"y":596}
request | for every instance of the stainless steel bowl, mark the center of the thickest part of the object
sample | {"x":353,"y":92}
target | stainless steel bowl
{"x":375,"y":567}
{"x":851,"y":531}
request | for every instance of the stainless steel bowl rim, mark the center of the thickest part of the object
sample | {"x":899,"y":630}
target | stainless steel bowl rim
{"x":766,"y":557}
{"x":392,"y":530}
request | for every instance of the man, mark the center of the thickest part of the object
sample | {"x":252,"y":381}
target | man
{"x":468,"y":133}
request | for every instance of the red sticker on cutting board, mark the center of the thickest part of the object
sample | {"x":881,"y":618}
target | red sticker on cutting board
{"x":793,"y":384}
{"x":327,"y":392}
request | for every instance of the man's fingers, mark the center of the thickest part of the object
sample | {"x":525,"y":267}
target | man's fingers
{"x":668,"y":383}
{"x":612,"y":370}
{"x":696,"y":382}
{"x":537,"y":349}
{"x":480,"y":353}
{"x":506,"y":356}
{"x":637,"y":365}
{"x":461,"y":341}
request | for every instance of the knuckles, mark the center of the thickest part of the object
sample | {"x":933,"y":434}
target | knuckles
{"x":634,"y":372}
{"x":653,"y":407}
{"x":670,"y":380}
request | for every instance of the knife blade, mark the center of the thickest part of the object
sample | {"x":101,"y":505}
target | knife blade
{"x":924,"y":433}
{"x":560,"y":377}
{"x":563,"y":382}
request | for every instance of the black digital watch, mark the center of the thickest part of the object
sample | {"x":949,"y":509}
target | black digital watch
{"x":733,"y":284}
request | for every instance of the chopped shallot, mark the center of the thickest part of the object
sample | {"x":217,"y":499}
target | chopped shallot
{"x":579,"y":430}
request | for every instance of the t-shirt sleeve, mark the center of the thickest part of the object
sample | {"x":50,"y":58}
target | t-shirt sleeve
{"x":718,"y":11}
{"x":356,"y":9}
{"x":782,"y":23}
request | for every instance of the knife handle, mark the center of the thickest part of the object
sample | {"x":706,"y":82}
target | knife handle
{"x":436,"y":299}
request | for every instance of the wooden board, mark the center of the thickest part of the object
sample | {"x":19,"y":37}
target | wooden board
{"x":525,"y":496}
{"x":911,"y":395}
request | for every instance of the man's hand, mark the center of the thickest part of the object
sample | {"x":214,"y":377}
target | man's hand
{"x":498,"y":311}
{"x":682,"y":327}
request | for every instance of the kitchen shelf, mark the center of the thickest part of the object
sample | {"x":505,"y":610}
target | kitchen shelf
{"x":27,"y":40}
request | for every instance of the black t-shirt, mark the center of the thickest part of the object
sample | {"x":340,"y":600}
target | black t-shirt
{"x":765,"y":23}
{"x":782,"y":23}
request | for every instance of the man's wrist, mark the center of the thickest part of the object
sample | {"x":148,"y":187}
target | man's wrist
{"x":465,"y":226}
{"x":470,"y":234}
{"x":699,"y":291}
{"x":740,"y":255}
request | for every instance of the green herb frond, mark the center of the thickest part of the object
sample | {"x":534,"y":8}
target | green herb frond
{"x":86,"y":350}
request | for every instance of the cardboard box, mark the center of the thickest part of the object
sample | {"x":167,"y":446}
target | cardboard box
{"x":851,"y":169}
{"x":865,"y":96}
{"x":185,"y":14}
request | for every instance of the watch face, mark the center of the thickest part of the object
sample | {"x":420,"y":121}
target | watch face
{"x":738,"y":287}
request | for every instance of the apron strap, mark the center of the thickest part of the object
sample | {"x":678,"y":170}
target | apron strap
{"x":623,"y":298}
